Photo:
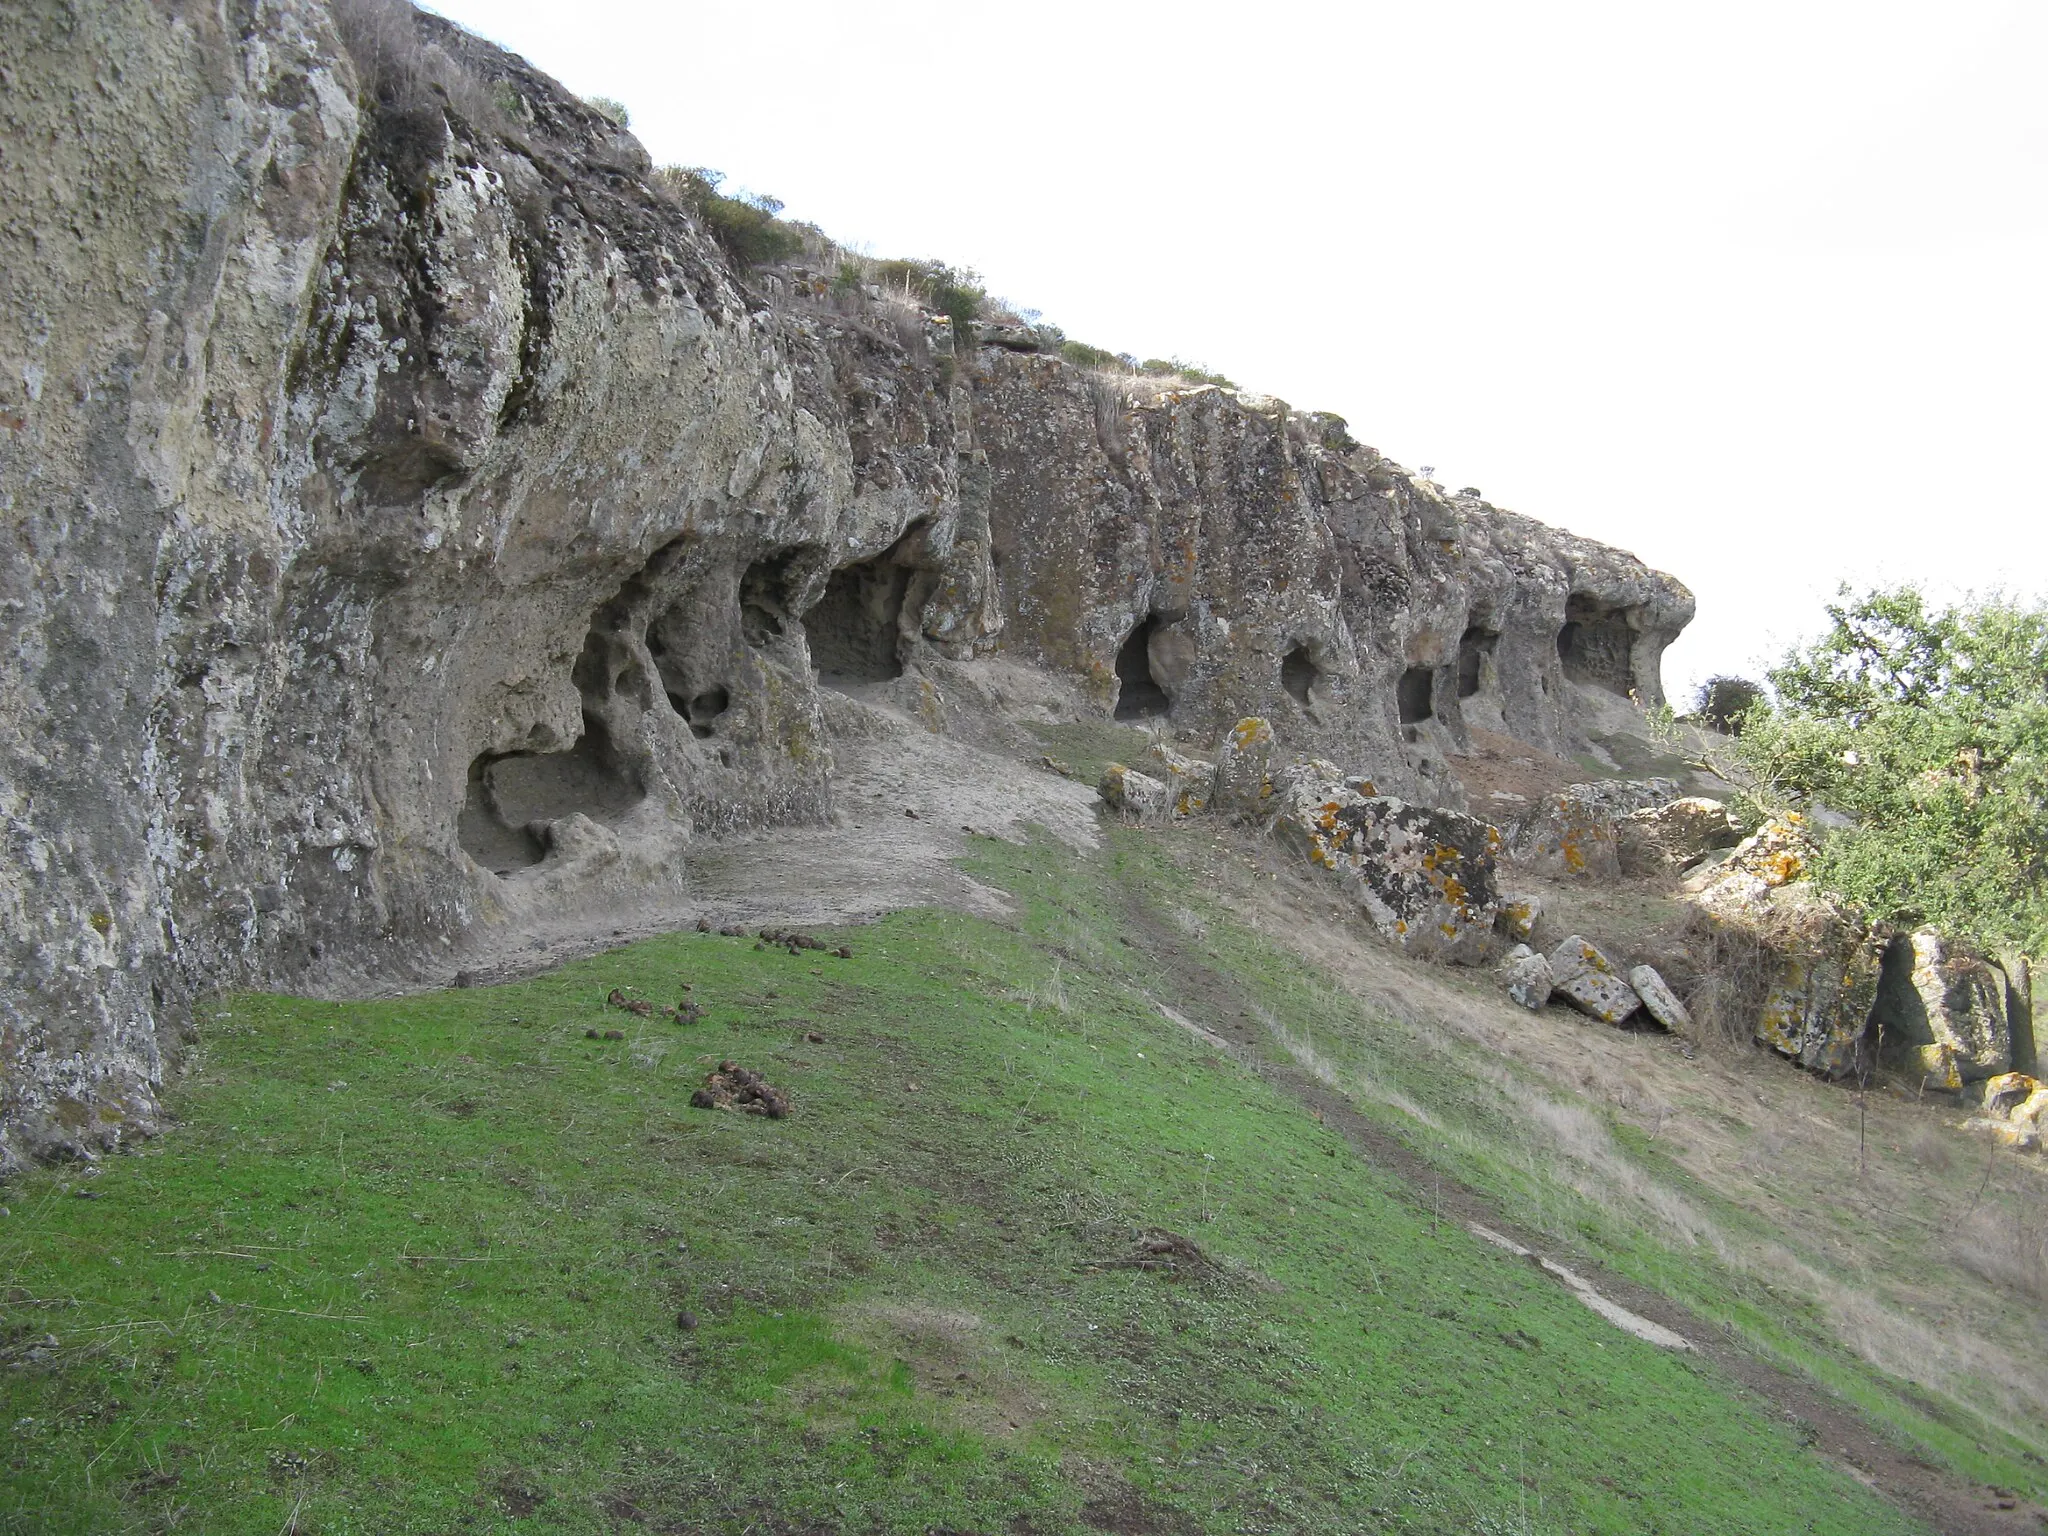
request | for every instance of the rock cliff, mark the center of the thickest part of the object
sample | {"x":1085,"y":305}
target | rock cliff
{"x":420,"y":526}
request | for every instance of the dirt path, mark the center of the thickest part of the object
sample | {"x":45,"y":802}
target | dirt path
{"x":1211,"y":1003}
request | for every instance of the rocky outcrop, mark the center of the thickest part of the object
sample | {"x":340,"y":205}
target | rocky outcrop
{"x":1200,"y":555}
{"x":421,"y":528}
{"x":1941,"y":1012}
{"x":1575,"y":832}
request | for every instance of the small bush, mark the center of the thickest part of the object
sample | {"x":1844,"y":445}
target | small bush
{"x":955,"y":292}
{"x":608,"y":107}
{"x":746,"y":226}
{"x":1081,"y":355}
{"x":1175,"y":367}
{"x":1721,"y":702}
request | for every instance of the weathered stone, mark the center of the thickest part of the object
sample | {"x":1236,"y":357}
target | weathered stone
{"x":441,"y":534}
{"x":1136,"y":795}
{"x":1659,"y":999}
{"x":1519,"y":914}
{"x":1190,"y":782}
{"x":1573,"y":831}
{"x":2013,"y":1096}
{"x":1673,"y":835}
{"x":1774,"y":856}
{"x":1560,"y":836}
{"x":1308,"y":579}
{"x":1820,"y":962}
{"x":1823,"y":964}
{"x":1941,"y":1012}
{"x":1244,"y":761}
{"x":1423,"y":877}
{"x":1590,"y":982}
{"x":1527,"y":977}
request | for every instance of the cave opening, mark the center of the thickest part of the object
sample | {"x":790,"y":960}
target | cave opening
{"x":1597,"y":644}
{"x":764,"y":596}
{"x":1138,"y":692}
{"x":1298,"y":674}
{"x":701,"y":710}
{"x":1475,"y":650}
{"x":1412,"y":695}
{"x":510,"y":793}
{"x":856,"y":628}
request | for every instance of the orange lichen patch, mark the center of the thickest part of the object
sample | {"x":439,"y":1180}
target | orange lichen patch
{"x":1781,"y":867}
{"x":1574,"y":855}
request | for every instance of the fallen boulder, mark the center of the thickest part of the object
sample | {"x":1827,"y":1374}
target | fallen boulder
{"x":1590,"y":982}
{"x":1572,"y":832}
{"x":1941,"y":1012}
{"x":1190,"y":782}
{"x":1804,"y":967}
{"x":1424,"y":877}
{"x":1244,"y":760}
{"x":1527,"y":977}
{"x":1136,"y":795}
{"x":1659,"y":999}
{"x":1519,"y":915}
{"x":1673,"y":835}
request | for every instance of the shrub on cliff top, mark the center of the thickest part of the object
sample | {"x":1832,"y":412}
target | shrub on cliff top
{"x":1928,"y":730}
{"x":955,"y":292}
{"x":746,"y":226}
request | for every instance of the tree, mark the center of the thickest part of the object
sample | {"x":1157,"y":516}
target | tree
{"x":1924,"y":731}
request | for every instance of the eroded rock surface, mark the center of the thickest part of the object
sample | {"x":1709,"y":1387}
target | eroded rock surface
{"x":422,"y":529}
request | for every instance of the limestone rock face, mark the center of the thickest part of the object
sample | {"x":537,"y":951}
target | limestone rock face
{"x":421,"y":529}
{"x":1591,"y":982}
{"x":1204,"y":555}
{"x":416,"y":526}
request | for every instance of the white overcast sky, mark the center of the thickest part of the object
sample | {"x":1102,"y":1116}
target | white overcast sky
{"x":1758,"y":291}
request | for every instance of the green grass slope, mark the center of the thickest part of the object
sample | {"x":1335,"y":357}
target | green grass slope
{"x":447,"y":1263}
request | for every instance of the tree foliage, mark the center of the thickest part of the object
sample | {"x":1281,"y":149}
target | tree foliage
{"x":1916,"y":738}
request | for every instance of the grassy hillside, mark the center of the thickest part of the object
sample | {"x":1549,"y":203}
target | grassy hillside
{"x":450,"y":1263}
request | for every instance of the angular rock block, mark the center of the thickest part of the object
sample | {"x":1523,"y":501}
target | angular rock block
{"x":1190,"y":782}
{"x":1244,"y":761}
{"x":1527,"y":977}
{"x":1659,"y":999}
{"x":1519,"y":915}
{"x":1424,"y":877}
{"x":1591,"y":982}
{"x":1944,"y":1020}
{"x":1136,"y":795}
{"x":1672,"y":835}
{"x":1562,"y":837}
{"x":1572,"y":833}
